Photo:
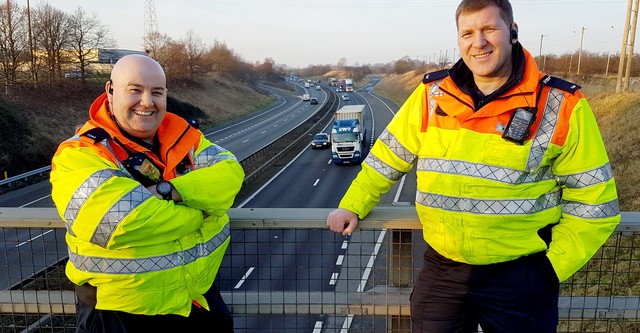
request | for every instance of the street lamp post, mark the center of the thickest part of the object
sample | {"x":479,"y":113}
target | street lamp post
{"x":606,"y":72}
{"x":580,"y":54}
{"x":572,"y":51}
{"x":540,"y":52}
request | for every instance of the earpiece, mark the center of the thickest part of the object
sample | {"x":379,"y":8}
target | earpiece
{"x":514,"y":36}
{"x":110,"y":87}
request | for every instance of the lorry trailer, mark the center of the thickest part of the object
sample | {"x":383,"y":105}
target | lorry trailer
{"x":348,"y":135}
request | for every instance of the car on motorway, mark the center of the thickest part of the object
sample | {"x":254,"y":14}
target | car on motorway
{"x":345,"y":97}
{"x":313,"y":101}
{"x":320,"y":140}
{"x":73,"y":74}
{"x":305,"y":97}
{"x":318,"y":87}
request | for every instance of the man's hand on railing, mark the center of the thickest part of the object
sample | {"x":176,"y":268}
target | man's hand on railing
{"x":342,"y":220}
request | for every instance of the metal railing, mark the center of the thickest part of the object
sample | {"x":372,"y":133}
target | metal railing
{"x":37,"y":172}
{"x":285,"y":272}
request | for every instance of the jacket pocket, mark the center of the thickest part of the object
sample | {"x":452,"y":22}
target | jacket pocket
{"x":506,"y":154}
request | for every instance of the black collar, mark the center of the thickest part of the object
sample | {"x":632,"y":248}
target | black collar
{"x":153,"y":147}
{"x":463,"y":78}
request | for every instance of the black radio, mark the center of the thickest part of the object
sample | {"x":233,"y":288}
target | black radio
{"x":519,"y":125}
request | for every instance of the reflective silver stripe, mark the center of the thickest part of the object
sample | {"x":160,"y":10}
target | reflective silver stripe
{"x":490,"y":172}
{"x":119,"y":211}
{"x":107,"y":144}
{"x":151,"y":264}
{"x":489,"y":207}
{"x":582,"y":210}
{"x":212,"y":155}
{"x":544,"y":133}
{"x":383,"y":168}
{"x":396,"y":147}
{"x":192,"y":157}
{"x":588,"y":178}
{"x":84,"y":191}
{"x":433,"y":89}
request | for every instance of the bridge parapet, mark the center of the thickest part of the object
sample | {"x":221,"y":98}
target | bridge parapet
{"x":284,"y":269}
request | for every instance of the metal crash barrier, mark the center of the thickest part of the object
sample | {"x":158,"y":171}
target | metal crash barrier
{"x":285,"y":272}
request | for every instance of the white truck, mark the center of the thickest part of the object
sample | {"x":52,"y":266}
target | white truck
{"x":348,"y":135}
{"x":348,"y":85}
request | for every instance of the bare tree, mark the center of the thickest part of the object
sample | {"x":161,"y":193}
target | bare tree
{"x":86,"y":36}
{"x":13,"y":40}
{"x":51,"y":31}
{"x":223,"y":59}
{"x":195,"y":51}
{"x":342,"y":63}
{"x":266,"y":69}
{"x":175,"y":62}
{"x":155,"y":45}
{"x":403,"y":65}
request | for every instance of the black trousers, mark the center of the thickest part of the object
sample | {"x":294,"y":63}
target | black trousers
{"x":516,"y":296}
{"x":218,"y":319}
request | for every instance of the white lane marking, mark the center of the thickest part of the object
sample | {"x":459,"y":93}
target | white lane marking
{"x":400,"y":187}
{"x":270,"y":180}
{"x":334,"y":278}
{"x":316,"y":183}
{"x":34,"y":201}
{"x":381,"y":101}
{"x":340,"y":260}
{"x":346,"y":324}
{"x":329,"y":162}
{"x":244,"y":278}
{"x":247,"y":140}
{"x":263,"y":132}
{"x":284,"y":101}
{"x":33,"y":238}
{"x":318,"y":327}
{"x":274,"y":177}
{"x":36,"y":237}
{"x":372,"y":259}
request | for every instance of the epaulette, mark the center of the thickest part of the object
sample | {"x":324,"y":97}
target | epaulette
{"x":97,"y":134}
{"x":559,"y":84}
{"x":434,"y":76}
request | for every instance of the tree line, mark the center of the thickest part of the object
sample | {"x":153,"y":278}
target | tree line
{"x":40,"y":44}
{"x":191,"y":57}
{"x":569,"y":65}
{"x":565,"y":65}
{"x":37,"y":44}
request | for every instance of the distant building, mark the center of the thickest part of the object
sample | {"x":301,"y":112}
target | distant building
{"x":110,"y":56}
{"x":96,"y":56}
{"x":97,"y":61}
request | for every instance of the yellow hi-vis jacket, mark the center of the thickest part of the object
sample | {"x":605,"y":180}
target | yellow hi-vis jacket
{"x":482,"y":199}
{"x":143,"y":254}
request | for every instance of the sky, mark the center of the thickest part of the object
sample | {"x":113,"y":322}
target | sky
{"x":299,"y":33}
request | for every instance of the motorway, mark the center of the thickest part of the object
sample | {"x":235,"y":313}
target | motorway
{"x":262,"y":259}
{"x":311,"y":260}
